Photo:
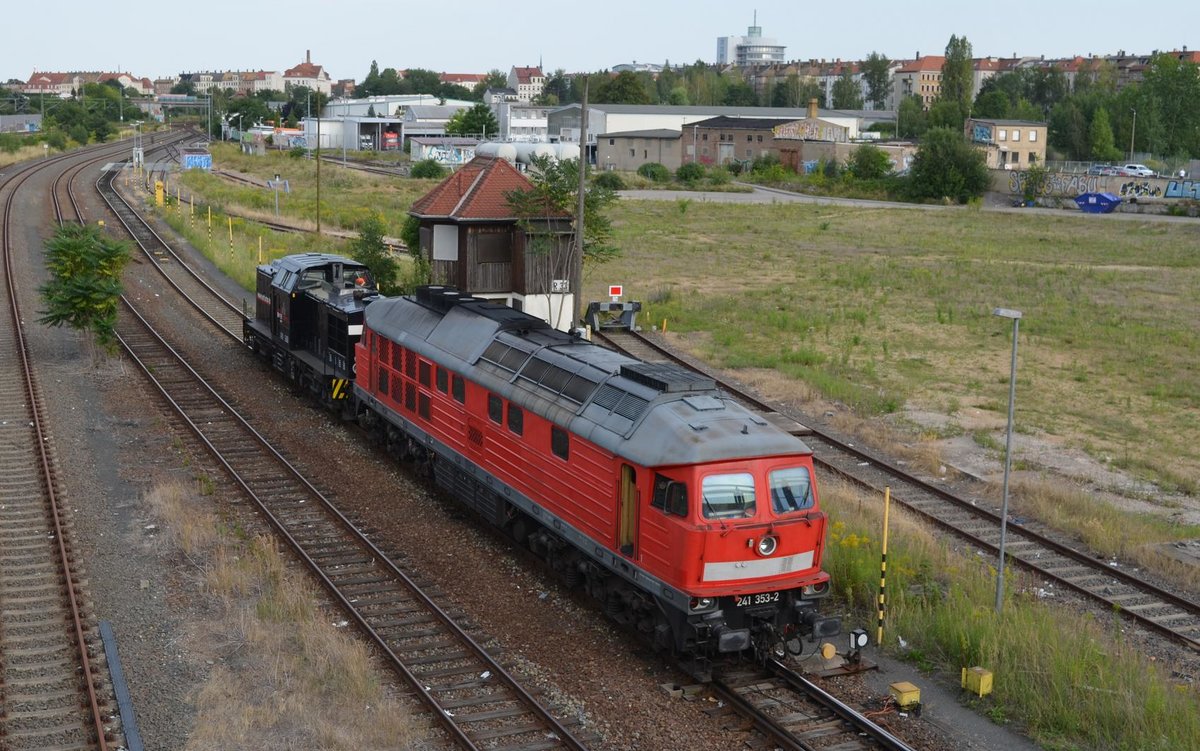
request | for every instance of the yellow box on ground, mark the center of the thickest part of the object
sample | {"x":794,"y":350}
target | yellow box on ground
{"x":977,"y":680}
{"x":906,"y":694}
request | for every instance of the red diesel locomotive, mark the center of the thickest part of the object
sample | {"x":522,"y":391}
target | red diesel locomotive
{"x":692,"y":519}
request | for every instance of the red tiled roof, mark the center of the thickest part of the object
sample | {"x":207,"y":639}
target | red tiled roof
{"x":303,"y":70}
{"x":928,"y":62}
{"x":525,"y":74}
{"x":477,"y":191}
{"x":471,"y":78}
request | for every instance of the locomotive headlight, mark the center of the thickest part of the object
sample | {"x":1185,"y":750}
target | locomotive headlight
{"x":767,"y":545}
{"x":701,"y":604}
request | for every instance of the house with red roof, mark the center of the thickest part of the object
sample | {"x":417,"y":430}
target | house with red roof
{"x":921,"y":77}
{"x":309,"y":75}
{"x":527,"y":82}
{"x":474,"y":240}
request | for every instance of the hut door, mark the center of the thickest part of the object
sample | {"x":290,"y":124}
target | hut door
{"x":627,"y":523}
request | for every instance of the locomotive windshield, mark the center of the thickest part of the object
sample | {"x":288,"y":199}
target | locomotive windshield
{"x":728,"y":496}
{"x":791,"y":490}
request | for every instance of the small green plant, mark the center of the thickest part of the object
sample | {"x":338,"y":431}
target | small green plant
{"x":610,"y":180}
{"x":682,"y":204}
{"x":297,"y":152}
{"x":655,"y":172}
{"x":690,"y":173}
{"x":428,"y":169}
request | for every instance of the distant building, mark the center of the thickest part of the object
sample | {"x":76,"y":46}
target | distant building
{"x":752,"y":49}
{"x":65,"y":84}
{"x":309,"y":75}
{"x":1008,"y":144}
{"x":527,"y":82}
{"x":922,"y":78}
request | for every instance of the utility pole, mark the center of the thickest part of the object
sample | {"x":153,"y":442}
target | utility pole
{"x":577,"y":256}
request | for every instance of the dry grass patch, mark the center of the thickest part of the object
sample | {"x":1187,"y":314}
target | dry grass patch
{"x":286,"y":675}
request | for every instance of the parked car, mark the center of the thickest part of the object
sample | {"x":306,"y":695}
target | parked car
{"x":1136,"y":170}
{"x":1102,"y":170}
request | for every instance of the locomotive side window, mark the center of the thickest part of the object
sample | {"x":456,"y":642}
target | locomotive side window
{"x":516,"y":419}
{"x":728,"y":496}
{"x":442,"y":380}
{"x":424,"y":376}
{"x":791,"y":490}
{"x":560,"y":443}
{"x":458,"y":388}
{"x":670,"y":496}
{"x":496,"y":409}
{"x":423,"y":405}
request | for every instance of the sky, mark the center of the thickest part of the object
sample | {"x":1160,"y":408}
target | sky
{"x":469,"y":36}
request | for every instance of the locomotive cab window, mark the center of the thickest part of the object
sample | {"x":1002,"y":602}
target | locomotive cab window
{"x":516,"y":419}
{"x":728,"y":496}
{"x":442,"y":380}
{"x":791,"y":490}
{"x":458,"y":389}
{"x":670,"y":496}
{"x":496,"y":409}
{"x":559,"y":443}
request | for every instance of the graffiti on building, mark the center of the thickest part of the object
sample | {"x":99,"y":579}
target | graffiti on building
{"x":1140,"y":189}
{"x":1057,"y":184}
{"x":1184,"y":189}
{"x":981,"y":133}
{"x":811,"y":130}
{"x":449,"y":154}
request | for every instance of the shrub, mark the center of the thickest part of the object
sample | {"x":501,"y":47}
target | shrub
{"x":610,"y":180}
{"x":869,"y":162}
{"x":690,"y":172}
{"x":947,"y":167}
{"x":654,"y":171}
{"x":297,"y":152}
{"x":428,"y":168}
{"x":720,"y":176}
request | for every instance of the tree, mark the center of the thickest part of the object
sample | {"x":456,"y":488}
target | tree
{"x":85,"y":281}
{"x":370,"y":250}
{"x":1100,"y":136}
{"x":555,"y":193}
{"x":846,"y":94}
{"x":493,"y":79}
{"x":624,"y":88}
{"x":957,"y":77}
{"x":876,"y":71}
{"x":422,"y":81}
{"x":869,"y":162}
{"x":740,"y":94}
{"x":946,"y":166}
{"x":991,"y":103}
{"x":369,"y":85}
{"x":913,"y":120}
{"x":476,"y":121}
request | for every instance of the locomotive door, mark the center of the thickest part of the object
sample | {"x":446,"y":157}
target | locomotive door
{"x":627,"y":520}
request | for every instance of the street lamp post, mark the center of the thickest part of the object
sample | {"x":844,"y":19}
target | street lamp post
{"x":1015,"y":315}
{"x":1132,"y":132}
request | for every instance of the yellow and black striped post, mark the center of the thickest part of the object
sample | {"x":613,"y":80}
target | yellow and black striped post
{"x":887,"y":502}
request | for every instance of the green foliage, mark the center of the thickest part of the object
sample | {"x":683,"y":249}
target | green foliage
{"x":297,"y":152}
{"x":555,"y":194}
{"x":84,"y":290}
{"x":1100,"y":135}
{"x":1035,"y":183}
{"x":624,"y":88}
{"x":846,"y":94}
{"x":913,"y":120}
{"x":946,"y":166}
{"x":475,"y":121}
{"x":869,"y":162}
{"x":370,"y":250}
{"x":721,"y":175}
{"x":654,"y":171}
{"x":691,"y":172}
{"x":876,"y":71}
{"x":610,"y":180}
{"x":957,"y":76}
{"x":428,"y":169}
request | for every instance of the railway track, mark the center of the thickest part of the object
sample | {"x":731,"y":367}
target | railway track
{"x":797,"y":715}
{"x":223,"y":313}
{"x":53,"y":686}
{"x":477,"y":701}
{"x":465,"y":687}
{"x":1154,"y":608}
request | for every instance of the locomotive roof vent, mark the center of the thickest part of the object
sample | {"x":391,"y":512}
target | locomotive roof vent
{"x":427,"y":292}
{"x":667,"y":377}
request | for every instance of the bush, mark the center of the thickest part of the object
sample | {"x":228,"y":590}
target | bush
{"x":720,"y":176}
{"x":654,"y":171}
{"x":428,"y":168}
{"x":869,"y":162}
{"x":297,"y":152}
{"x":690,"y":172}
{"x":947,"y":167}
{"x":610,"y":180}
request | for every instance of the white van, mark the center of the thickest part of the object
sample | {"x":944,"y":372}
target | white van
{"x":1136,"y":170}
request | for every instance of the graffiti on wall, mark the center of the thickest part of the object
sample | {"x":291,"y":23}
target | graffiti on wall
{"x":1140,"y":189}
{"x":1183,"y":189}
{"x":1057,"y":184}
